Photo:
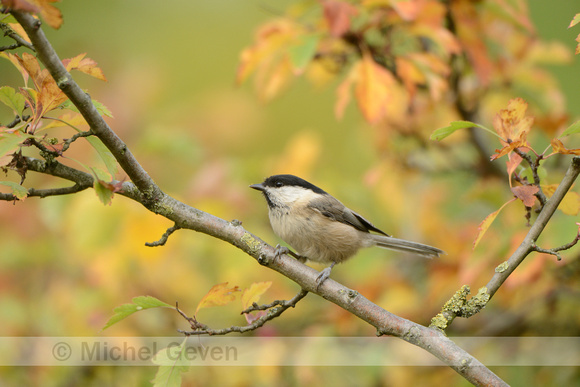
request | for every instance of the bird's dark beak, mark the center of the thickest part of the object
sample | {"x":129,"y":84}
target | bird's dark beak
{"x":259,"y":187}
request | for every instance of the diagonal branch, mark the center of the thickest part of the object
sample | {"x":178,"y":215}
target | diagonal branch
{"x":460,"y":306}
{"x":82,"y":101}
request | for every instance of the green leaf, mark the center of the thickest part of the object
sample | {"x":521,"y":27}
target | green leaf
{"x":441,"y":133}
{"x":102,"y":109}
{"x":139,"y":303}
{"x":303,"y":52}
{"x":12,"y":99}
{"x":17,"y":190}
{"x":10,"y":141}
{"x":104,"y":194}
{"x":572,"y":129}
{"x":104,"y":154}
{"x":170,"y":361}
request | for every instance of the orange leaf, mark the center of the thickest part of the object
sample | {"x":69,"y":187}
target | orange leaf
{"x":559,"y":147}
{"x":85,"y":65}
{"x":484,"y":225}
{"x":218,"y":295}
{"x":508,"y":148}
{"x":513,"y":162}
{"x":49,"y":13}
{"x":526,"y":194}
{"x":373,"y":89}
{"x":269,"y":39}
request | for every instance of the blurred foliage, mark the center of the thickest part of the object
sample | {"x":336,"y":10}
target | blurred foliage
{"x":66,"y":262}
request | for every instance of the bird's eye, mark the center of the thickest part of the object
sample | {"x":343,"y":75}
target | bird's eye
{"x":279,"y":184}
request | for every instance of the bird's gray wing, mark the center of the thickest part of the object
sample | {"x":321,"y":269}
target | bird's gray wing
{"x":335,"y":210}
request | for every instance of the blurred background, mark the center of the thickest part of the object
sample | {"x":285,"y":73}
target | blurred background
{"x":66,"y":262}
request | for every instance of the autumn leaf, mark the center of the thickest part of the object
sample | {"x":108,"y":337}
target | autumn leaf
{"x":338,"y":15}
{"x":251,"y":295}
{"x":514,"y":160}
{"x":510,"y":147}
{"x":526,"y":194}
{"x":570,"y":204}
{"x":559,"y":147}
{"x":513,"y":126}
{"x":17,"y":190}
{"x":484,"y":225}
{"x":218,"y":295}
{"x":512,"y":123}
{"x":49,"y":13}
{"x":268,"y":41}
{"x":85,"y":65}
{"x":372,"y":88}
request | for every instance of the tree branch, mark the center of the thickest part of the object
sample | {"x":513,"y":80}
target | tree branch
{"x":275,"y":310}
{"x":151,"y":192}
{"x":460,"y":306}
{"x":14,"y":36}
{"x":150,"y":195}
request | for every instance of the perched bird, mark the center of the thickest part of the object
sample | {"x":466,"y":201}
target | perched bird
{"x":320,"y":228}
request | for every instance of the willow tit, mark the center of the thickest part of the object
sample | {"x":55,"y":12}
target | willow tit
{"x":322,"y":229}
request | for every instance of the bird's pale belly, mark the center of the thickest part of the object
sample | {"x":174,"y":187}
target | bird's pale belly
{"x":331,"y":242}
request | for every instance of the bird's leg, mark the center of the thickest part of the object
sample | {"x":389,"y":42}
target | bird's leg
{"x":285,"y":250}
{"x":324,"y":274}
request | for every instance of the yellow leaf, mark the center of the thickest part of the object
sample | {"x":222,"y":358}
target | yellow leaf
{"x":269,"y":39}
{"x":511,"y":123}
{"x":253,"y":293}
{"x":373,"y":89}
{"x":484,"y":225}
{"x":570,"y":205}
{"x":218,"y":295}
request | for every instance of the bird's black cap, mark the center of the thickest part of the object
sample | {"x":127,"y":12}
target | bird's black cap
{"x":287,"y":180}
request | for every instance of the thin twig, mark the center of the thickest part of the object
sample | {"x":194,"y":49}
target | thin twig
{"x":20,"y":42}
{"x":279,"y":308}
{"x":556,"y":250}
{"x":534,"y":165}
{"x":460,"y":306}
{"x":164,"y":237}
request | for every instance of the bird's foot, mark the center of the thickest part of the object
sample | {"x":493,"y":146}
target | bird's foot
{"x":324,"y":274}
{"x":280,"y":250}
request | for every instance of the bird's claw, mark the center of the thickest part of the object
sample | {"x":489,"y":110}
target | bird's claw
{"x":323,"y":276}
{"x":280,"y":250}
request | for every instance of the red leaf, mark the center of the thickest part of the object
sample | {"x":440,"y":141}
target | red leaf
{"x":337,"y":15}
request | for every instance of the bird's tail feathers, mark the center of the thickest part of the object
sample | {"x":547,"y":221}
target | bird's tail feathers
{"x":391,"y":243}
